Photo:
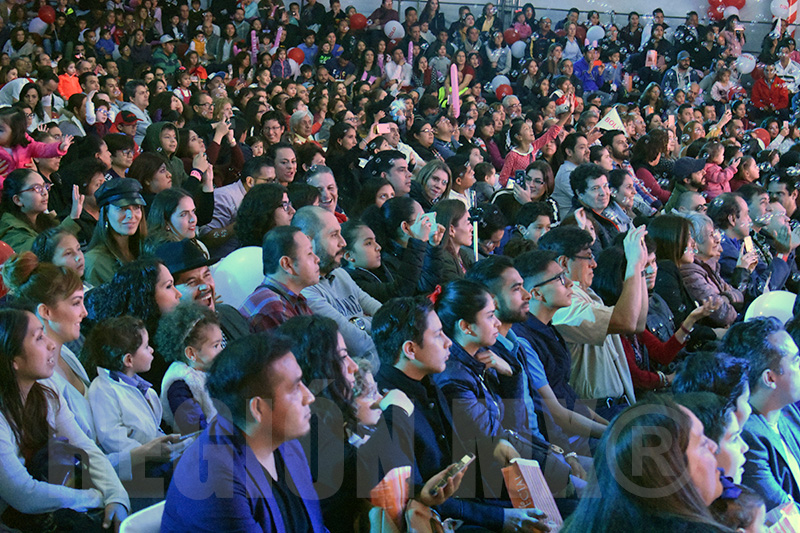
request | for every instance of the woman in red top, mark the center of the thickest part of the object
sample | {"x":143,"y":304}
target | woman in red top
{"x":467,"y":73}
{"x":643,"y":347}
{"x":646,"y":155}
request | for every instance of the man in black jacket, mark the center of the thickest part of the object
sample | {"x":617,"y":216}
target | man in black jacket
{"x":412,"y":346}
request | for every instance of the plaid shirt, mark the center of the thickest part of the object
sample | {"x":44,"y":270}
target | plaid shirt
{"x":272,"y":304}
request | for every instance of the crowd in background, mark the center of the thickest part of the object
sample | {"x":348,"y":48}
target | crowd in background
{"x":513,"y":239}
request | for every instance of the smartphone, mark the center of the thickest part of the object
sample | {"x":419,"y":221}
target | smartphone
{"x":671,"y":121}
{"x":453,"y":471}
{"x":189,"y":436}
{"x":785,"y":123}
{"x":520,"y":178}
{"x":432,"y":217}
{"x":748,"y":244}
{"x":383,"y":129}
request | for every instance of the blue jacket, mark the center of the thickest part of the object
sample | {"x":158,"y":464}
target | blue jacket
{"x":766,"y":470}
{"x":589,"y":75}
{"x":219,"y":485}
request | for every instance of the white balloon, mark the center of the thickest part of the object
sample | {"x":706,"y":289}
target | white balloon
{"x":779,"y":8}
{"x":745,"y":63}
{"x":518,"y":49}
{"x":498,"y":81}
{"x":595,"y":33}
{"x":38,"y":26}
{"x":238,"y":274}
{"x":774,"y":303}
{"x":730,"y":10}
{"x":394,"y":30}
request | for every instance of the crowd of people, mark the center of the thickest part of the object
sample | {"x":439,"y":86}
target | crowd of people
{"x":478,"y":238}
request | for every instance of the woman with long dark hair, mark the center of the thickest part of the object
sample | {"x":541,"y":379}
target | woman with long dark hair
{"x":435,"y":18}
{"x":120,"y":232}
{"x":264,"y":207}
{"x":24,"y":207}
{"x":642,"y":348}
{"x":404,"y":230}
{"x":669,"y":490}
{"x":31,"y":416}
{"x":330,"y":372}
{"x":675,"y":247}
{"x":450,"y":258}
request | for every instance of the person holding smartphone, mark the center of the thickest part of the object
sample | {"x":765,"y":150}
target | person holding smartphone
{"x":734,"y":36}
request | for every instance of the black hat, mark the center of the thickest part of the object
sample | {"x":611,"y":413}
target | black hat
{"x":120,"y":192}
{"x":183,"y":256}
{"x":685,"y":166}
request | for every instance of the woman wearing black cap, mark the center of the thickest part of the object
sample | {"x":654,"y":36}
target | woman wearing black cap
{"x":120,"y":232}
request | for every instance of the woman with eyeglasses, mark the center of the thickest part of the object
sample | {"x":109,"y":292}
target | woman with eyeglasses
{"x":702,"y":276}
{"x":24,"y":207}
{"x":420,"y":139}
{"x":642,"y":348}
{"x":264,"y":207}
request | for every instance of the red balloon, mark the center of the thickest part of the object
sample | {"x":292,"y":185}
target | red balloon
{"x":298,"y":55}
{"x":738,"y":4}
{"x":715,"y":13}
{"x":47,"y":14}
{"x":358,"y":21}
{"x":503,"y":91}
{"x":716,"y":3}
{"x":511,"y":36}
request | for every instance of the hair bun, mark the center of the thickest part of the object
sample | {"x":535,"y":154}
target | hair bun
{"x":17,"y":270}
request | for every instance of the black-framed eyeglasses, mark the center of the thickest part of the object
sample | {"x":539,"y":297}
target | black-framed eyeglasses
{"x":38,"y":188}
{"x":286,"y":206}
{"x":561,"y":276}
{"x":590,"y":258}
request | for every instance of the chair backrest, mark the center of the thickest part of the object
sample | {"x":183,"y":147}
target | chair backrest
{"x":148,"y":520}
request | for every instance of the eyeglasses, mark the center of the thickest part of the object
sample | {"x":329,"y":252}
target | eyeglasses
{"x":426,"y":130}
{"x":38,"y":189}
{"x":561,"y":276}
{"x":286,"y":206}
{"x":126,"y":153}
{"x":207,"y":104}
{"x":590,"y":258}
{"x":29,"y":115}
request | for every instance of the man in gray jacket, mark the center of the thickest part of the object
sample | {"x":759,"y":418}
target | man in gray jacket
{"x":336,"y":295}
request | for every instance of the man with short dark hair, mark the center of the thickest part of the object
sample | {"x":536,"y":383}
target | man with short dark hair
{"x":227,"y":199}
{"x":600,"y":372}
{"x":576,"y":152}
{"x":392,"y":166}
{"x":246,"y":471}
{"x":413,"y":348}
{"x":290,"y":265}
{"x":690,"y":175}
{"x":336,"y":295}
{"x":521,"y":390}
{"x":773,"y":430}
{"x":137,"y":98}
{"x":550,"y":289}
{"x":784,"y":191}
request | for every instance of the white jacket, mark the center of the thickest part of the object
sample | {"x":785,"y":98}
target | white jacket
{"x":196,"y":381}
{"x":123,"y":418}
{"x":21,"y":491}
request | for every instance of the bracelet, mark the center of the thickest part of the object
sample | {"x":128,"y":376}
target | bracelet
{"x":687,"y":331}
{"x":570,"y":454}
{"x":662,"y":378}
